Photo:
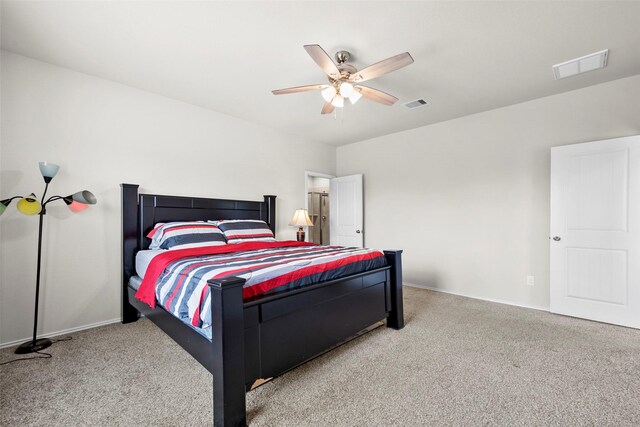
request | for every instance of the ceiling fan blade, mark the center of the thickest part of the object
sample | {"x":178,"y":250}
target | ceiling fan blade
{"x":376,"y":95}
{"x":323,"y":60}
{"x":383,"y":67}
{"x":299,"y":89}
{"x":327,"y":108}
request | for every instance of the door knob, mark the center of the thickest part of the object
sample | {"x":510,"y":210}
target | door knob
{"x":358,"y":231}
{"x":556,"y":238}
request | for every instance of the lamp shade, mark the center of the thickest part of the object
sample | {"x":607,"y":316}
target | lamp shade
{"x":338,"y":101}
{"x":85,"y":197}
{"x":328,"y":93}
{"x":29,"y":205}
{"x":48,"y":170}
{"x":74,"y":206}
{"x":301,"y":218}
{"x":355,"y":96}
{"x":346,"y":89}
{"x":3,"y":205}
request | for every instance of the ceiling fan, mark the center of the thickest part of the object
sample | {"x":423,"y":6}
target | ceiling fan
{"x":345,"y":79}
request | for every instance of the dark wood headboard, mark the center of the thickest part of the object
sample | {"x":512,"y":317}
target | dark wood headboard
{"x":140,"y":212}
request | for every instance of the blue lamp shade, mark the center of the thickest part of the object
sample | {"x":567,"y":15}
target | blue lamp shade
{"x":48,"y":171}
{"x":29,"y":205}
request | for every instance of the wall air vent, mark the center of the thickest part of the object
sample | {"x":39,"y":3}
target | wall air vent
{"x":581,"y":65}
{"x":417,"y":103}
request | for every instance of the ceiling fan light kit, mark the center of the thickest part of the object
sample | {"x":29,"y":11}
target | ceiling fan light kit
{"x":346,"y":89}
{"x":338,"y":101}
{"x":329,"y":93}
{"x":343,"y":78}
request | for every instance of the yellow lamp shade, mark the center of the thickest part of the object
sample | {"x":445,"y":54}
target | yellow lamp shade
{"x":29,"y":205}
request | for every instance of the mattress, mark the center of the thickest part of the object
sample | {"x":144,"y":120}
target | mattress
{"x":143,"y":259}
{"x":135,"y":282}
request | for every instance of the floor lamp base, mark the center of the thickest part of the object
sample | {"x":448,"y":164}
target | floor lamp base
{"x":31,"y":347}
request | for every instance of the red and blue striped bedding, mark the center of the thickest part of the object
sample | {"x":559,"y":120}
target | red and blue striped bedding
{"x":178,"y":279}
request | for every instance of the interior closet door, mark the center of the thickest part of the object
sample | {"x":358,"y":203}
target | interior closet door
{"x":346,"y":211}
{"x":595,"y":231}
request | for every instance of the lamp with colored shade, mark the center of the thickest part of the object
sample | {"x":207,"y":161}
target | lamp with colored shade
{"x":80,"y":201}
{"x":301,"y":219}
{"x":4,"y":204}
{"x":48,"y":171}
{"x":76,"y":206}
{"x":29,"y":205}
{"x":86,"y":197}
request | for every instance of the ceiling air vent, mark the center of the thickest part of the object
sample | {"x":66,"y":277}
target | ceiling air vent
{"x":417,"y":103}
{"x":581,"y":65}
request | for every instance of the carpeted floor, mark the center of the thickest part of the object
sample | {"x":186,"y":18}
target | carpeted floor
{"x":459,"y":361}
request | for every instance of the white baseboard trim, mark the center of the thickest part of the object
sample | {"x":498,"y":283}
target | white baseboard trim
{"x":413,"y":285}
{"x":63,"y":332}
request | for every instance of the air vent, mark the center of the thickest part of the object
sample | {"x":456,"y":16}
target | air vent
{"x":417,"y":103}
{"x":581,"y":65}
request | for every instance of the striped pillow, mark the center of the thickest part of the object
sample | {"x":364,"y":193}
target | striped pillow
{"x":246,"y":230}
{"x":183,"y":235}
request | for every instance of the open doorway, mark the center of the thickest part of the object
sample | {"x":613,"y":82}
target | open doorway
{"x":317,"y":187}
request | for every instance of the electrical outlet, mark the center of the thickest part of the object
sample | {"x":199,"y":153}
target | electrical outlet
{"x":530,"y":281}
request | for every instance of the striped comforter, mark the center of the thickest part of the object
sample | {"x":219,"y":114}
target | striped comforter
{"x":178,"y":279}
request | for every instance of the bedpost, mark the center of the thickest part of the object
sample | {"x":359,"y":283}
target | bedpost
{"x":396,"y":316}
{"x":270,"y":201}
{"x":129,"y":246}
{"x":227,"y":319}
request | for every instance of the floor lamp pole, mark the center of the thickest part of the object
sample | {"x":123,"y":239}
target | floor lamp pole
{"x":42,"y":343}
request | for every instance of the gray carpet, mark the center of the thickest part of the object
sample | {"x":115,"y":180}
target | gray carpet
{"x":459,"y":361}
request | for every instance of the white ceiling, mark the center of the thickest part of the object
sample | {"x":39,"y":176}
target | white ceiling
{"x":228,"y":56}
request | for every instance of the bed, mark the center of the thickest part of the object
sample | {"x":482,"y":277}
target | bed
{"x":266,"y":335}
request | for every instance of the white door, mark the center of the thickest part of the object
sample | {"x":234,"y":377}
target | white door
{"x":346,"y":211}
{"x":595,"y":231}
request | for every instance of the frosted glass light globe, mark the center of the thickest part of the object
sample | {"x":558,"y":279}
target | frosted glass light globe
{"x":329,"y":93}
{"x":346,"y":89}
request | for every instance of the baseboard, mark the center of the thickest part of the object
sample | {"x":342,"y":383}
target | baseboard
{"x":63,"y":332}
{"x":413,"y":285}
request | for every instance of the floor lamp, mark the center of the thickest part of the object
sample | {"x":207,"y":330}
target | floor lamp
{"x":30,"y":205}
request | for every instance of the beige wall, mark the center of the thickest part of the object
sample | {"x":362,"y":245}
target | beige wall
{"x":101,"y":134}
{"x":468,"y":199}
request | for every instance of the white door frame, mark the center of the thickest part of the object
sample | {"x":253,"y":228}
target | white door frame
{"x":311,"y":174}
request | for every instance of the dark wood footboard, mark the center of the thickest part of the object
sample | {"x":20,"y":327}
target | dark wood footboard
{"x":275,"y":334}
